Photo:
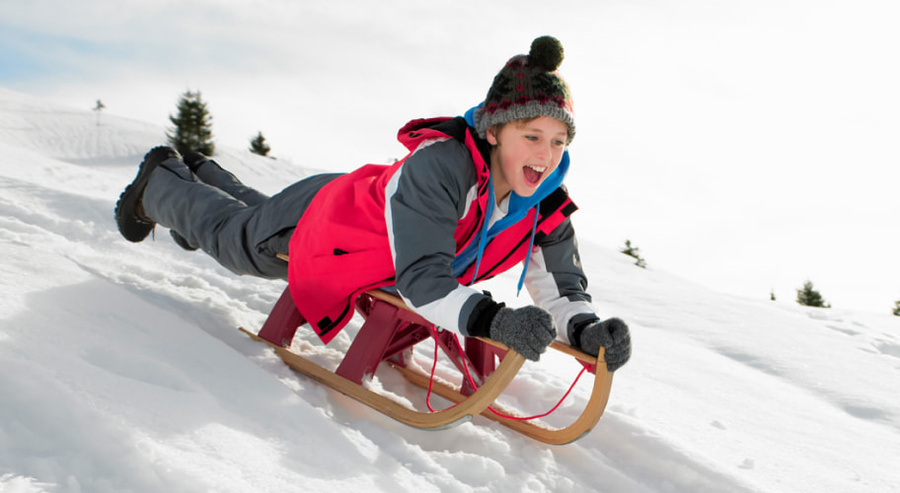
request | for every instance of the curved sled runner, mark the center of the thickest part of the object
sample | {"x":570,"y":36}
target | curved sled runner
{"x":589,"y":417}
{"x":390,"y":332}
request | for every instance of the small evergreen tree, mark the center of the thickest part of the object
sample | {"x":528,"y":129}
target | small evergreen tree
{"x":772,"y":295}
{"x":897,"y":308}
{"x":98,"y":108}
{"x":258,"y":145}
{"x":808,"y":296}
{"x":633,"y":251}
{"x":193,"y":126}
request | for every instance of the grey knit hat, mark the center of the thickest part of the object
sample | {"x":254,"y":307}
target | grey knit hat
{"x":527,"y":87}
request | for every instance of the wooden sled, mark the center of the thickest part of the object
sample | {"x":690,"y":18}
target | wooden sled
{"x":388,"y":335}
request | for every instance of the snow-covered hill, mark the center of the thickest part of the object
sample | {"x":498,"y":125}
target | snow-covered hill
{"x":122,"y":369}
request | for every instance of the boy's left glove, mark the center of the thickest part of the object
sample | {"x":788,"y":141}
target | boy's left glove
{"x":613,"y":335}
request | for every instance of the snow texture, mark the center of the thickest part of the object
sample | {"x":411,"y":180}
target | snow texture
{"x":122,"y":369}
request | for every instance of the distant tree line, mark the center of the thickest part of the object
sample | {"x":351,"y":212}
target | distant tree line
{"x":258,"y":145}
{"x":635,"y":253}
{"x":192,"y":128}
{"x":99,"y":107}
{"x":809,"y":296}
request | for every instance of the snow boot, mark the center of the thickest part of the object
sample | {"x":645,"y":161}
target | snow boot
{"x":193,"y":160}
{"x":129,"y":212}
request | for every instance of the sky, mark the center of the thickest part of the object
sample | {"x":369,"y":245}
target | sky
{"x":748,"y":146}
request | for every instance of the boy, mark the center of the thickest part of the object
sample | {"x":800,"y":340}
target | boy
{"x":475,"y":196}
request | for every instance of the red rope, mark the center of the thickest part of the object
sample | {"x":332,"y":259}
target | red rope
{"x":472,"y":383}
{"x":433,"y":368}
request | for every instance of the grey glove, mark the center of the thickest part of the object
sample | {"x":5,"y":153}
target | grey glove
{"x":612,"y":334}
{"x":528,"y":330}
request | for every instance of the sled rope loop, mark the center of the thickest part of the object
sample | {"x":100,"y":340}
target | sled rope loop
{"x":389,"y":334}
{"x":472,"y":383}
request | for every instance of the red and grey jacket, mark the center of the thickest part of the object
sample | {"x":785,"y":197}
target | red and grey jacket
{"x":405,"y":224}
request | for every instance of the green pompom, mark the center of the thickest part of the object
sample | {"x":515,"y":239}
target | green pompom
{"x":546,"y":52}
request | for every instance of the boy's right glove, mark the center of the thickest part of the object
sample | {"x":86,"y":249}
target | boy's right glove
{"x":528,"y":330}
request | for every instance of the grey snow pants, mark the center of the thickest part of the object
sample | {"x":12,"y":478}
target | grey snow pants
{"x":238,"y":226}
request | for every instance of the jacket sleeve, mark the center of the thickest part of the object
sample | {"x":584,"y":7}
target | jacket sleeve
{"x":556,"y":281}
{"x":425,"y":199}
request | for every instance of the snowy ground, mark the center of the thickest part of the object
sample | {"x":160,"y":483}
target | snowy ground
{"x":122,"y":369}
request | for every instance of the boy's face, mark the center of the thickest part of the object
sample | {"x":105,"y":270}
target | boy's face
{"x":524,"y":154}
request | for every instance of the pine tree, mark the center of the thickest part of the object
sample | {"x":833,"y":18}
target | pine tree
{"x":633,"y":251}
{"x":808,"y":296}
{"x":897,"y":308}
{"x":98,"y":108}
{"x":193,"y":126}
{"x":258,"y":145}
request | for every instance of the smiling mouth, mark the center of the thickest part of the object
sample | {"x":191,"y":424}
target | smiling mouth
{"x":533,"y":174}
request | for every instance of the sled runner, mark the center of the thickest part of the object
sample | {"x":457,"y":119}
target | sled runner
{"x":388,"y":335}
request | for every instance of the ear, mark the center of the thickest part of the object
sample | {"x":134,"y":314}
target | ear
{"x":491,"y":134}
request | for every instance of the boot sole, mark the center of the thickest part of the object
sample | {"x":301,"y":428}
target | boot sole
{"x":132,"y":227}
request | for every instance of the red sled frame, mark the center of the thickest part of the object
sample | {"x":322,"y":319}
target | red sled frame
{"x":388,"y":335}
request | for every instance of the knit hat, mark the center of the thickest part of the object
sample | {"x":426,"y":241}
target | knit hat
{"x":528,"y":87}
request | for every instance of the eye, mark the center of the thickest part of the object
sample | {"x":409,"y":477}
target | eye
{"x":559,"y":143}
{"x":532,"y":138}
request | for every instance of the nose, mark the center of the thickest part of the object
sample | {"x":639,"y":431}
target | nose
{"x":544,"y":152}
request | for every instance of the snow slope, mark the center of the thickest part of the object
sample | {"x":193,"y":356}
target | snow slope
{"x":122,"y":369}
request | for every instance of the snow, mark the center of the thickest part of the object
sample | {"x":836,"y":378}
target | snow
{"x":122,"y":367}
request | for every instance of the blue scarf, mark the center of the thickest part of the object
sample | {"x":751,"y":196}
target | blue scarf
{"x":518,"y":208}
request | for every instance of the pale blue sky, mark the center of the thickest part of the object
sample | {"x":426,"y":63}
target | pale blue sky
{"x":746,"y":145}
{"x":27,"y":56}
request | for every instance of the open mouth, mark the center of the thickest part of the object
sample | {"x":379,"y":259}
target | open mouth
{"x":533,"y":174}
